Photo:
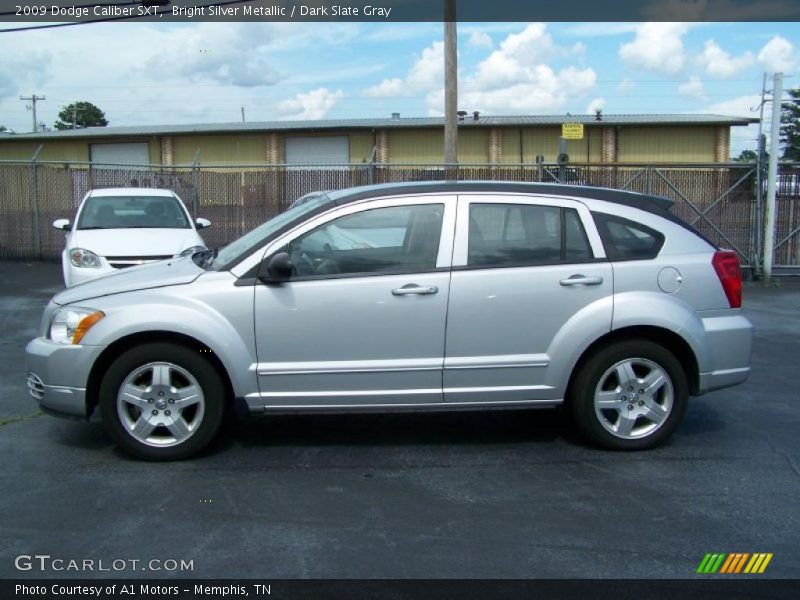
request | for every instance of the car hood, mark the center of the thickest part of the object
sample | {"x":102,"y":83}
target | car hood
{"x":174,"y":271}
{"x":134,"y":242}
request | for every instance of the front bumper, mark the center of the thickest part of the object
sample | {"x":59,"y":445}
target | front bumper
{"x":58,"y":375}
{"x":730,"y":341}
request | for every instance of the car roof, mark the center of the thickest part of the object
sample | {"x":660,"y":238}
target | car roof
{"x":131,"y":191}
{"x":634,"y":199}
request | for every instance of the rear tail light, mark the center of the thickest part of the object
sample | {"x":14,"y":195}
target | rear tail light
{"x":726,"y":264}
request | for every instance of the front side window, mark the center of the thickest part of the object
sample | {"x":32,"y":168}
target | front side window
{"x":132,"y":212}
{"x":521,"y":234}
{"x":399,"y":239}
{"x":261,"y":235}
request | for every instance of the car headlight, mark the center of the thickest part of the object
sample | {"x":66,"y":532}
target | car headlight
{"x":69,"y":325}
{"x":192,"y":250}
{"x":80,"y":257}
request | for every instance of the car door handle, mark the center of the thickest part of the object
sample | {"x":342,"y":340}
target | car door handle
{"x":413,"y":288}
{"x":581,"y":280}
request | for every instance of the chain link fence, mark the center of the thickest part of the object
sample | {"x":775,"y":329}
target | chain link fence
{"x":722,"y":201}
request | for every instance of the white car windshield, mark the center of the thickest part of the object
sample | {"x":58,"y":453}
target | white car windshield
{"x":132,"y":212}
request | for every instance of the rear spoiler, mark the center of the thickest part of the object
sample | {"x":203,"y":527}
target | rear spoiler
{"x":660,"y":201}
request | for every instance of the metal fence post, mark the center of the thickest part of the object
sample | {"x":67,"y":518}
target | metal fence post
{"x":37,"y":233}
{"x":772,"y":177}
{"x":195,"y":183}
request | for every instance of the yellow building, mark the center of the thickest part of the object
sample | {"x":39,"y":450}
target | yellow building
{"x":652,"y":139}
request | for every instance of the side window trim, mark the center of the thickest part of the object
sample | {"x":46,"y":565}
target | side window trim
{"x":465,"y":201}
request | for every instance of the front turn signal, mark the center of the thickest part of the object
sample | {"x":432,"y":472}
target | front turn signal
{"x":85,"y":324}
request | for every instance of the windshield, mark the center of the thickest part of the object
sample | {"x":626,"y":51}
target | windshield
{"x":132,"y":212}
{"x":259,"y":236}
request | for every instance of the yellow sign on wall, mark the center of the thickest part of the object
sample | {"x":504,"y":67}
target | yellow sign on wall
{"x":572,"y":131}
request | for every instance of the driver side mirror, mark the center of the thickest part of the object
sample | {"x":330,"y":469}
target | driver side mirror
{"x":279,"y":269}
{"x":202,"y":223}
{"x":62,"y":224}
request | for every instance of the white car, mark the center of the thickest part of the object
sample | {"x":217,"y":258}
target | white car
{"x":117,"y":228}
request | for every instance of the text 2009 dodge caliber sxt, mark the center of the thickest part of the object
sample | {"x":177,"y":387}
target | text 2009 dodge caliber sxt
{"x":422,"y":296}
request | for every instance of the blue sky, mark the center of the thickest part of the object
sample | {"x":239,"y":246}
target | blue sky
{"x":141,"y":73}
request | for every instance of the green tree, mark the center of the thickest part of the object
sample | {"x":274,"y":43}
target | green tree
{"x":747,"y":156}
{"x":790,"y":126}
{"x":84,"y":114}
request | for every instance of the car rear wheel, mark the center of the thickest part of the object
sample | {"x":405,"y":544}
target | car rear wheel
{"x":629,"y":396}
{"x":161,"y":401}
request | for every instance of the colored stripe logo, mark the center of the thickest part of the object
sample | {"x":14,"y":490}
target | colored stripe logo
{"x":732,"y":563}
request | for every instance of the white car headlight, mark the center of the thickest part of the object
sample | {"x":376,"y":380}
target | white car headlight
{"x":192,"y":250}
{"x":80,"y":257}
{"x":70,"y":324}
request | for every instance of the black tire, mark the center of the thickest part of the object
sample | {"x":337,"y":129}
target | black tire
{"x":197,"y":366}
{"x":581,"y":395}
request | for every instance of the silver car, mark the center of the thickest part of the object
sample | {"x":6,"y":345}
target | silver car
{"x":421,"y":296}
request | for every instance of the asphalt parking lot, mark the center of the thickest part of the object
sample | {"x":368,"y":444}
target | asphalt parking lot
{"x":474,"y":495}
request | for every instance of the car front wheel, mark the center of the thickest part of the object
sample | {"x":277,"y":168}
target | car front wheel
{"x":161,"y":401}
{"x":630,"y":395}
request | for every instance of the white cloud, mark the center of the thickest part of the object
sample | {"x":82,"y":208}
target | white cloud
{"x":310,"y":105}
{"x":741,"y":137}
{"x":736,"y":107}
{"x":595,"y":105}
{"x":656,"y":47}
{"x":600,"y":29}
{"x":426,"y":74}
{"x":428,"y":70}
{"x":625,"y":86}
{"x":778,"y":56}
{"x":237,"y":54}
{"x":516,"y":78}
{"x":692,"y":89}
{"x":579,"y":48}
{"x":24,"y":68}
{"x":480,"y":39}
{"x":517,"y":55}
{"x":388,"y":88}
{"x":718,"y":63}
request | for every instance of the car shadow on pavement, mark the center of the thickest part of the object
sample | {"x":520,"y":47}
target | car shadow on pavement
{"x":464,"y":429}
{"x":396,"y":429}
{"x":702,"y":417}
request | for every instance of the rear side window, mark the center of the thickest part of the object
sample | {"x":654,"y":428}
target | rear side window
{"x":627,"y":240}
{"x":502,"y":235}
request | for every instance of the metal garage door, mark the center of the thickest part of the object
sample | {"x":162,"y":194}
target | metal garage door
{"x":135,"y":154}
{"x":329,"y":150}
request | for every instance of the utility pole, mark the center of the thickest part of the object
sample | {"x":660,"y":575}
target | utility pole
{"x":772,"y":175}
{"x":760,"y":173}
{"x":33,"y":99}
{"x":450,"y":87}
{"x":243,"y":119}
